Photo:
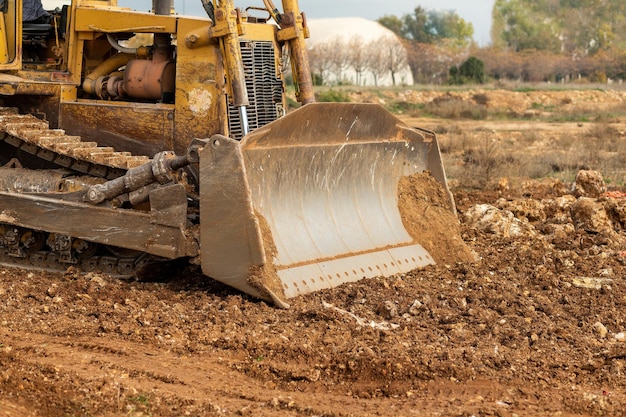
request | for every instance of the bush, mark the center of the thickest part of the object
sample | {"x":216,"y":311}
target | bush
{"x":451,"y":107}
{"x":471,"y":71}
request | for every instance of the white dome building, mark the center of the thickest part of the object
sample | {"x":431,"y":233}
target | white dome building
{"x":372,"y":36}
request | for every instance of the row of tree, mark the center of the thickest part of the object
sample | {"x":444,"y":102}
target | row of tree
{"x":532,"y":40}
{"x":330,"y":61}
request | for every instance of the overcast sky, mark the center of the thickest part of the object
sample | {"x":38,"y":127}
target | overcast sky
{"x":478,"y":12}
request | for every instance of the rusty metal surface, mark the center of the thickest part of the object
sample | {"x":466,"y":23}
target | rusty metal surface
{"x":31,"y":181}
{"x":133,"y":127}
{"x":229,"y":230}
{"x":147,"y":79}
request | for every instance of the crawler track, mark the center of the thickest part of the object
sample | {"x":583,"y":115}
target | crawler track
{"x":33,"y":135}
{"x":32,"y":249}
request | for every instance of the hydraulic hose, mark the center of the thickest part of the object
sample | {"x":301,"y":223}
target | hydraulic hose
{"x":273,"y":11}
{"x":108,"y":66}
{"x":113,"y":42}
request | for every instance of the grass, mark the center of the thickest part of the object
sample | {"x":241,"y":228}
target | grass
{"x":141,"y":402}
{"x":333,"y":96}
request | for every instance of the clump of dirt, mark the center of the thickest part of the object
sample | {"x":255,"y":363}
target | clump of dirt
{"x":569,"y":219}
{"x":589,"y":184}
{"x":429,"y":216}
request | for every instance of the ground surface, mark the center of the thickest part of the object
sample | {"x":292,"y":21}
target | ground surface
{"x":534,"y":327}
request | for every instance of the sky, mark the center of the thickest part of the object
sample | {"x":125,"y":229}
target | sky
{"x":478,"y":12}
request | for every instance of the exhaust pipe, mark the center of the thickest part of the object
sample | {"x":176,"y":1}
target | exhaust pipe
{"x":162,"y":7}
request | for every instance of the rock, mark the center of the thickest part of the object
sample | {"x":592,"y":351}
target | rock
{"x":592,"y":283}
{"x":616,"y":208}
{"x":388,"y":310}
{"x":416,"y":307}
{"x":589,"y":184}
{"x":589,"y":215}
{"x":490,"y":219}
{"x":52,"y":290}
{"x":527,"y":208}
{"x":557,"y":210}
{"x":600,"y":329}
{"x":560,"y":235}
{"x":503,"y":184}
{"x":621,"y":336}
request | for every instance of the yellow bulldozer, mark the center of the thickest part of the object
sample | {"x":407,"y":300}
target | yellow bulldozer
{"x":119,"y":154}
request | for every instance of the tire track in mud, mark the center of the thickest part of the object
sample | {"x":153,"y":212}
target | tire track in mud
{"x":198,"y":379}
{"x":211,"y":382}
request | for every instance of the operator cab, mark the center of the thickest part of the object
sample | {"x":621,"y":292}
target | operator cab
{"x":40,"y":35}
{"x":35,"y":43}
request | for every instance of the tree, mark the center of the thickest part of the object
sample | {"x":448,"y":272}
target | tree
{"x":522,"y":26}
{"x":376,"y":61}
{"x":451,"y":28}
{"x":417,"y":26}
{"x":429,"y":63}
{"x":357,"y":56}
{"x":431,"y":26}
{"x":395,"y":56}
{"x":582,"y":27}
{"x":393,"y":23}
{"x":472,"y":70}
{"x":320,"y":61}
{"x":338,"y":57}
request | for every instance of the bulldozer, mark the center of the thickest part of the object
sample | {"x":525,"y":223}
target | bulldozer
{"x":131,"y":139}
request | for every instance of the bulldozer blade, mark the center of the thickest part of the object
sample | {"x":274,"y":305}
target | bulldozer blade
{"x":310,"y":201}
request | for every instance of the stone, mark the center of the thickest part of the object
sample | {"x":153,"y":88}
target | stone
{"x":600,"y":330}
{"x":589,"y":183}
{"x":490,"y":219}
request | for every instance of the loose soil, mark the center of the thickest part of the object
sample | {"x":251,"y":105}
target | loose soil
{"x":535,"y":326}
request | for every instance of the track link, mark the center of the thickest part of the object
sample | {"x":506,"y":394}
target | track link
{"x":34,"y":136}
{"x":30,"y":249}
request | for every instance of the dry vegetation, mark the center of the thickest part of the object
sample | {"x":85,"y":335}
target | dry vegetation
{"x":490,"y":135}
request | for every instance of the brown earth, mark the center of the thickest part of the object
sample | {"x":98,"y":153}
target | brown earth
{"x":535,"y":327}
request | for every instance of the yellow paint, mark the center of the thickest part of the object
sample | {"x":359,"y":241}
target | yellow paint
{"x":200,"y":108}
{"x":122,"y":20}
{"x":199,"y":86}
{"x":4,"y":48}
{"x":68,"y":93}
{"x":11,"y":36}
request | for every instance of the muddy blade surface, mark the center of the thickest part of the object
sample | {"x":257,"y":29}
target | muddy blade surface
{"x":313,"y":198}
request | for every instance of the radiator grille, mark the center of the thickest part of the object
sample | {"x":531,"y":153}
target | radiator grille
{"x":264,"y":88}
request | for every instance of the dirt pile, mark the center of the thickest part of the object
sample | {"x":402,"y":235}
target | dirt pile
{"x":536,"y":327}
{"x":426,"y":210}
{"x":566,"y":221}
